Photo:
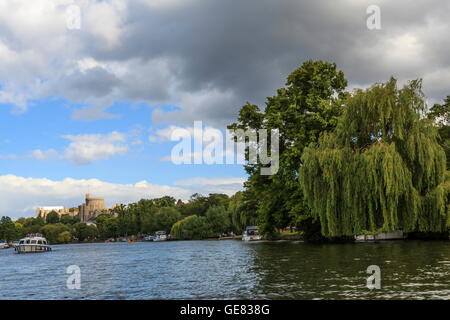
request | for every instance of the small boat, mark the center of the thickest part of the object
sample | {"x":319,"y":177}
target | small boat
{"x":131,"y":241}
{"x":251,"y":233}
{"x":160,"y":236}
{"x":394,"y":235}
{"x":33,"y":243}
{"x":149,"y":238}
{"x":4,"y":244}
{"x":14,"y":244}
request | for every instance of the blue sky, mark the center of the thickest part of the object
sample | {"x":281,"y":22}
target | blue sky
{"x":45,"y":124}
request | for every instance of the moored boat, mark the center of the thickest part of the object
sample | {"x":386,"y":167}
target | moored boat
{"x":160,"y":236}
{"x":149,"y":238}
{"x":394,"y":235}
{"x":251,"y":233}
{"x":4,"y":244}
{"x":33,"y":243}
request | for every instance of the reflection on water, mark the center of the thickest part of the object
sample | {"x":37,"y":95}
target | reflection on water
{"x":230,"y":270}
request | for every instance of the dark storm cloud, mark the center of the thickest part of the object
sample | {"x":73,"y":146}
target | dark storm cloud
{"x":210,"y":57}
{"x":248,"y":48}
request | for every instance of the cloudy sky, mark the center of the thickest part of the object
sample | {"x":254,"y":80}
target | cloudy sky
{"x":92,"y":108}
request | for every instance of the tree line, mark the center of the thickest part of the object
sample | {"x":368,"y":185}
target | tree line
{"x":355,"y":162}
{"x":199,"y":218}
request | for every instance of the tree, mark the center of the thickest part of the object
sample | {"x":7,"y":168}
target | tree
{"x":52,"y":217}
{"x":309,"y":105}
{"x":8,"y":230}
{"x":217,"y":199}
{"x":197,"y":205}
{"x":165,"y":201}
{"x":83,"y":232}
{"x":64,"y":237}
{"x":107,"y":226}
{"x":126,"y":220}
{"x":52,"y":232}
{"x":191,"y":228}
{"x":68,"y":219}
{"x":237,"y":215}
{"x":440,"y":114}
{"x":166,"y":218}
{"x":381,"y":169}
{"x":218,"y":220}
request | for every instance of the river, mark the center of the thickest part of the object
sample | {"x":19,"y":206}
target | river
{"x":230,"y":269}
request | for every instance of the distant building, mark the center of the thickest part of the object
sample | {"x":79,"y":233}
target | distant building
{"x":60,"y":210}
{"x":92,"y":208}
{"x":86,"y":212}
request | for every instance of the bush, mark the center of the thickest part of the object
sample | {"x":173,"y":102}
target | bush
{"x":166,"y":218}
{"x":218,"y":220}
{"x":64,"y":237}
{"x":191,"y":228}
{"x":52,"y":231}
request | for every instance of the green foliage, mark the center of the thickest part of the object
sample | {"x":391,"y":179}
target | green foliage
{"x":8,"y":230}
{"x":191,"y":228}
{"x":52,"y":232}
{"x":381,"y":169}
{"x":84,"y":232}
{"x":52,"y":217}
{"x":165,"y":201}
{"x":440,"y":114}
{"x":309,"y":105}
{"x":242,"y":211}
{"x":166,"y":218}
{"x":68,"y":219}
{"x":199,"y":204}
{"x":107,"y":226}
{"x":64,"y":237}
{"x":218,"y":220}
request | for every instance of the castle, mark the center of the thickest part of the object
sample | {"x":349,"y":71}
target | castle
{"x":86,"y":212}
{"x":44,"y":211}
{"x":93,"y":208}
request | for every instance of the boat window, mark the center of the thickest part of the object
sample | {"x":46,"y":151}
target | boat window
{"x":27,"y":241}
{"x":33,"y":241}
{"x":45,"y":242}
{"x":21,"y":242}
{"x":39,"y":242}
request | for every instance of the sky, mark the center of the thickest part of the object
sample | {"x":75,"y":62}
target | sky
{"x":90,"y":107}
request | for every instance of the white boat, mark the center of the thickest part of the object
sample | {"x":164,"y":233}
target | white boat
{"x":251,"y":233}
{"x":149,"y":238}
{"x":160,"y":236}
{"x":33,"y":243}
{"x":4,"y":244}
{"x":394,"y":235}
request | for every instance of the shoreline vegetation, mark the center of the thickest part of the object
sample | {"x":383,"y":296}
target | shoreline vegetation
{"x":362,"y":162}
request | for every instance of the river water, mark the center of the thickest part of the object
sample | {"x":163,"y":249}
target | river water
{"x":230,"y":269}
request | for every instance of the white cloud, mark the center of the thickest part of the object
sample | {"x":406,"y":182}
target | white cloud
{"x":214,"y":148}
{"x":20,"y":195}
{"x":49,"y":154}
{"x":86,"y":148}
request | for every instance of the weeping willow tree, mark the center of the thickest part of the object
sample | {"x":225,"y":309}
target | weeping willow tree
{"x":381,"y":169}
